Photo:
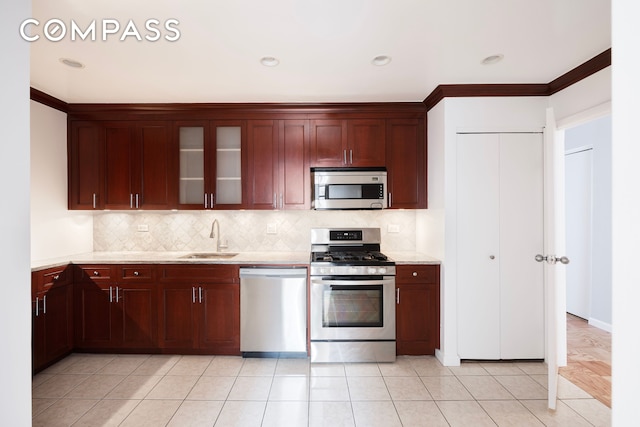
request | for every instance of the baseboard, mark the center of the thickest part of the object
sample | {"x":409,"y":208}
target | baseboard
{"x":446,"y":360}
{"x":600,"y":324}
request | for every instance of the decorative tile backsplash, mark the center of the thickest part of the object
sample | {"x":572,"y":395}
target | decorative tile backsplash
{"x":243,"y":230}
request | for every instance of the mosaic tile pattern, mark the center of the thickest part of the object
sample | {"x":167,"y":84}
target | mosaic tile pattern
{"x":243,"y":230}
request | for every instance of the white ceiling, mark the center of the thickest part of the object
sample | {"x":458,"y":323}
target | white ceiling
{"x":325,"y":48}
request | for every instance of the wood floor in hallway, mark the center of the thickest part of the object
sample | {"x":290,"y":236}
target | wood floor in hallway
{"x":588,"y":358}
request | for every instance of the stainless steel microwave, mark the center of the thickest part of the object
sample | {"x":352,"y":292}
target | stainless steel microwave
{"x":349,"y":188}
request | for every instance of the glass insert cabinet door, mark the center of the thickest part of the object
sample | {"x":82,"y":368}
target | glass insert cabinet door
{"x":210,"y":164}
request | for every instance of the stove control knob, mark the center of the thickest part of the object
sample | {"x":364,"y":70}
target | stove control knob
{"x":383,"y":270}
{"x":371,"y":270}
{"x":353,"y":270}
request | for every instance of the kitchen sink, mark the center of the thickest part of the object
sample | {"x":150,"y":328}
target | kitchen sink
{"x":210,"y":255}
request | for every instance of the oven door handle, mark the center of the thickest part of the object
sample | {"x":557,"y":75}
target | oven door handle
{"x":353,"y":282}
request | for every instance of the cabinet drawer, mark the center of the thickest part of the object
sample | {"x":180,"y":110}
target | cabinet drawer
{"x":132,"y":273}
{"x":55,"y":276}
{"x":96,"y":273}
{"x":418,"y":273}
{"x":199,"y":273}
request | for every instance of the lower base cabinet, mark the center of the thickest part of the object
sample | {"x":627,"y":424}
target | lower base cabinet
{"x":199,"y":309}
{"x":417,"y":309}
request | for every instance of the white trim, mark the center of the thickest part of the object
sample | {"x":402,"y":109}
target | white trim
{"x":578,"y":149}
{"x":600,"y":324}
{"x":585,"y":116}
{"x":447,"y":360}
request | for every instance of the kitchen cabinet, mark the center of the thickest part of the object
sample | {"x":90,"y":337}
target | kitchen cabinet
{"x":278,"y":174}
{"x":139,"y":166}
{"x":115,"y":308}
{"x":121,"y":165}
{"x":417,"y":309}
{"x":406,"y":163}
{"x":85,"y":165}
{"x":52,"y":321}
{"x":212,"y":163}
{"x":499,"y":222}
{"x":199,"y":309}
{"x":347,"y":143}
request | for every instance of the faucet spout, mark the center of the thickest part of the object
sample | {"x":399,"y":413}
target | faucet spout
{"x":215,"y":233}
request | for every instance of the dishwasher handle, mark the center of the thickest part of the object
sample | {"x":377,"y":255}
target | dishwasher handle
{"x":293,"y":272}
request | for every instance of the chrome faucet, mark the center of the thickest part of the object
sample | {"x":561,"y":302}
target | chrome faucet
{"x":215,"y":234}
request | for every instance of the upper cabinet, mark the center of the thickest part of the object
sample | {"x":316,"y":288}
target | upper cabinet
{"x":121,"y":165}
{"x":278,"y":173}
{"x":406,"y":164}
{"x":212,"y":162}
{"x":348,"y":142}
{"x":244,"y":156}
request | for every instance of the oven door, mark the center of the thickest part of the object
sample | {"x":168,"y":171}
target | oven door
{"x":353,"y":308}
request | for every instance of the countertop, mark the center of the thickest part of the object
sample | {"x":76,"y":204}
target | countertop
{"x":243,"y":258}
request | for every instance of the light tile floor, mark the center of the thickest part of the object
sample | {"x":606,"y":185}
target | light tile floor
{"x":159,"y":390}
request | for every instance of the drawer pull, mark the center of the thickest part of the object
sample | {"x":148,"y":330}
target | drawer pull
{"x":415,"y":274}
{"x":135,"y":273}
{"x":56,"y":277}
{"x":96,"y":273}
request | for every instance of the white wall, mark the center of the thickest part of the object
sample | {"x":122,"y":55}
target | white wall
{"x":597,"y":134}
{"x":625,"y":213}
{"x":55,"y":231}
{"x":15,"y":304}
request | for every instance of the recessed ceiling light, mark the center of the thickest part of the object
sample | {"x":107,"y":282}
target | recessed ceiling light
{"x":72,"y":63}
{"x":381,"y":60}
{"x":269,"y":61}
{"x":492,"y":59}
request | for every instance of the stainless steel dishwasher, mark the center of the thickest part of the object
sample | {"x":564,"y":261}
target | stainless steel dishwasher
{"x":273,"y":312}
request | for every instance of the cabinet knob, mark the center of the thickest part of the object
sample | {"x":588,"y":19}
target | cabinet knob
{"x":96,"y":273}
{"x":56,"y":277}
{"x":135,"y":273}
{"x":415,"y":274}
{"x":492,"y":257}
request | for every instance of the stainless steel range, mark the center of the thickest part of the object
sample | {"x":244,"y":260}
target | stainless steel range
{"x":352,"y":305}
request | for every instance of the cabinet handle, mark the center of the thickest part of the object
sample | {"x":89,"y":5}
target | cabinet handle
{"x":281,"y":200}
{"x":200,"y":294}
{"x":415,"y":274}
{"x":397,"y":295}
{"x":344,"y":156}
{"x":206,"y":199}
{"x":389,"y":203}
{"x":275,"y":201}
{"x":137,"y":201}
{"x":117,"y":294}
{"x":94,"y":200}
{"x":350,"y":157}
{"x":44,"y":305}
{"x":131,"y":200}
{"x":213,"y":198}
{"x":193,"y":294}
{"x":110,"y":294}
{"x":37,"y":306}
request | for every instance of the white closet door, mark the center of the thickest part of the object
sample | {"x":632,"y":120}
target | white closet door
{"x":477,"y":223}
{"x":521,"y":238}
{"x":499,"y":230}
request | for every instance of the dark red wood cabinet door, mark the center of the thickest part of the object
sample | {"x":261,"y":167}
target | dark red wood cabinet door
{"x":94,"y":312}
{"x":57,"y":311}
{"x":86,"y":165}
{"x":295,"y":177}
{"x":416,"y":319}
{"x":263,"y":164}
{"x":156,"y":168}
{"x":119,"y":158}
{"x":176,"y":316}
{"x":328,"y":139}
{"x":407,"y":163}
{"x":366,"y":142}
{"x":220,"y":318}
{"x":38,"y":351}
{"x":137,"y":316}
